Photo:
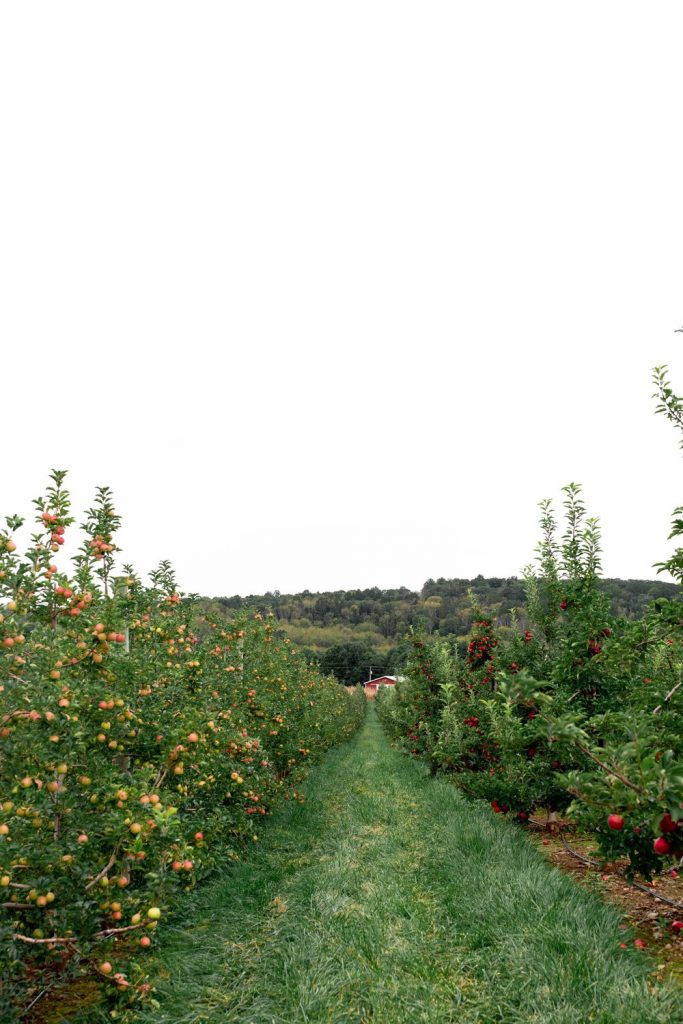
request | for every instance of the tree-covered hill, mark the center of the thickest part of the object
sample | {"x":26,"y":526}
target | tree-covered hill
{"x":378,"y":619}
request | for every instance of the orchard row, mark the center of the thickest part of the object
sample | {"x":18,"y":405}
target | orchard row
{"x":580,"y":713}
{"x":140,"y":747}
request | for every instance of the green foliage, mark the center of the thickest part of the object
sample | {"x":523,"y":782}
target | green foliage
{"x":352,"y":663}
{"x":412,"y":712}
{"x":671,"y":405}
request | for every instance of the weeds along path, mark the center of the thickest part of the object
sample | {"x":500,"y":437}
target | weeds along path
{"x":388,"y":898}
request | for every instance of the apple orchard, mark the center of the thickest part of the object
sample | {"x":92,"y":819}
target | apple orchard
{"x":140,"y":747}
{"x":143,"y":744}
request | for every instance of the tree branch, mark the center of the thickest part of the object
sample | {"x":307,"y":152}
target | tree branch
{"x":610,"y":771}
{"x":118,"y":931}
{"x":105,"y":870}
{"x":668,"y":697}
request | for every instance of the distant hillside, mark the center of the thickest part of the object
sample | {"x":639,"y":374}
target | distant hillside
{"x":381,"y":618}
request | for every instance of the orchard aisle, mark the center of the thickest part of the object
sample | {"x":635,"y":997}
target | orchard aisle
{"x":386,"y":898}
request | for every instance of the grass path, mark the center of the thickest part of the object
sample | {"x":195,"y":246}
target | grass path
{"x":387,"y":898}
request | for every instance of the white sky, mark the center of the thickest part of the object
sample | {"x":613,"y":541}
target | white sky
{"x":332,"y":295}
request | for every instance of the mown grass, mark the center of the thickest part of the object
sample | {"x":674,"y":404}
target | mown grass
{"x":388,"y":898}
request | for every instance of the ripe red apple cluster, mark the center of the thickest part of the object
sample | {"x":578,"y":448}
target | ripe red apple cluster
{"x":661,"y":845}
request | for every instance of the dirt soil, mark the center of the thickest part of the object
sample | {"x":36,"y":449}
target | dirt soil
{"x":650,"y":918}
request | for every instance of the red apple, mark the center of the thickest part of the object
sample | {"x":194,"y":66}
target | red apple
{"x":616,"y":822}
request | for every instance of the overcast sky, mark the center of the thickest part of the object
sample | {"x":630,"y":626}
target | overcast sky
{"x":332,"y":295}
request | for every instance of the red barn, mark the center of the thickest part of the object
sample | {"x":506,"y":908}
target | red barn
{"x":373,"y":685}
